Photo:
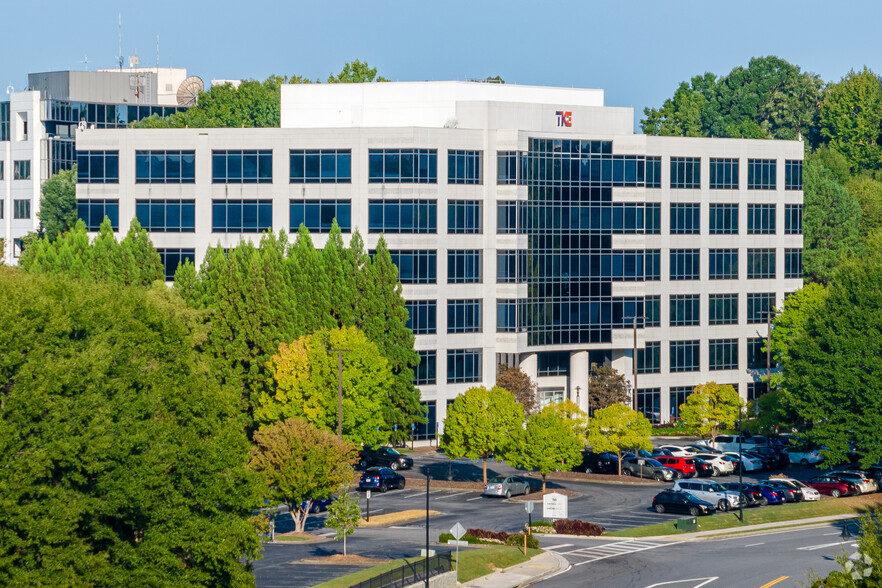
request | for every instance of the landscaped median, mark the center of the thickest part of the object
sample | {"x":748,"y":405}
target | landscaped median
{"x":473,"y":563}
{"x":394,"y":518}
{"x":854,"y":505}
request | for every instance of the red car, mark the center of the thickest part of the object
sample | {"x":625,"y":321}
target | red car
{"x":683,"y":466}
{"x":832,"y":486}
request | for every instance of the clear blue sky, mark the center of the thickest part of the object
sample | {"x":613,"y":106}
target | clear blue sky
{"x":636,"y":51}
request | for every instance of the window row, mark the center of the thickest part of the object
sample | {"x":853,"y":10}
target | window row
{"x":723,"y":264}
{"x":723,"y":219}
{"x":685,"y":356}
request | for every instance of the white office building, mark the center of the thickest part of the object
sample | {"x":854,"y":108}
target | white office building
{"x":37,"y":128}
{"x":531,"y":226}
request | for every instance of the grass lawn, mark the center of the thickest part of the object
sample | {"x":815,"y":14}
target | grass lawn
{"x":291,"y":538}
{"x":770,"y":514}
{"x":473,"y":563}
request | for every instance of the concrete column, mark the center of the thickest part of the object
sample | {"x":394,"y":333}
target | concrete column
{"x":530,"y":366}
{"x":579,"y":370}
{"x":624,"y":364}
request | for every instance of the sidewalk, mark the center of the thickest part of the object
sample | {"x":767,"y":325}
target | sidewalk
{"x":748,"y":529}
{"x":538,"y":568}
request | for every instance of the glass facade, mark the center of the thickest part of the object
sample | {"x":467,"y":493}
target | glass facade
{"x":464,"y":167}
{"x":403,"y":166}
{"x":686,"y":172}
{"x":722,"y":309}
{"x":465,"y":266}
{"x":166,"y":216}
{"x":760,"y":219}
{"x":793,"y":174}
{"x":424,"y":373}
{"x":570,"y":219}
{"x":422,"y":316}
{"x":685,"y":219}
{"x":93,"y":211}
{"x":241,"y":216}
{"x":723,"y":174}
{"x":320,"y":166}
{"x":723,"y":354}
{"x":553,"y":363}
{"x":416,"y":266}
{"x":509,"y":315}
{"x":464,"y":217}
{"x":463,"y":366}
{"x":165,"y":167}
{"x":402,"y":216}
{"x":511,"y":168}
{"x":722,"y":264}
{"x":511,"y":266}
{"x":250,"y":166}
{"x":318,"y":215}
{"x":464,"y":316}
{"x":98,"y":167}
{"x":761,"y":174}
{"x":172,"y":258}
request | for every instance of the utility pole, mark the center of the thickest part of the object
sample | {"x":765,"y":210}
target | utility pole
{"x":340,"y":353}
{"x":768,"y":357}
{"x":635,"y":364}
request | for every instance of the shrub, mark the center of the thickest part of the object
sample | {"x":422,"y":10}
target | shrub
{"x":518,"y":541}
{"x":577,"y":527}
{"x":492,"y":536}
{"x":541,"y":524}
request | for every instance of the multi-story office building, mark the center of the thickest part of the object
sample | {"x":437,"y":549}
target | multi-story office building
{"x":531,"y":226}
{"x":37,"y":128}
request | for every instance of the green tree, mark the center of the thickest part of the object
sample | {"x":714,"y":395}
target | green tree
{"x":833,"y":161}
{"x":791,"y":322}
{"x":851,"y":118}
{"x":356,"y":72}
{"x":831,"y":224}
{"x":861,"y":569}
{"x":868,"y":193}
{"x":300,"y":463}
{"x":617,"y":427}
{"x":141,"y":264}
{"x":344,"y":516}
{"x":833,"y":366}
{"x":480,"y":424}
{"x":516,"y":381}
{"x":306,"y":379}
{"x":683,"y":115}
{"x":58,"y":205}
{"x":711,"y":406}
{"x":606,"y":386}
{"x":121,"y":459}
{"x":549,"y":442}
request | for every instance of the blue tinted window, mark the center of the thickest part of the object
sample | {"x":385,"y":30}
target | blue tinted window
{"x":684,"y":264}
{"x":507,"y":216}
{"x":242,"y":167}
{"x":464,"y":167}
{"x":761,"y":174}
{"x":649,"y":404}
{"x":760,"y":263}
{"x":759,"y":304}
{"x":685,"y":356}
{"x":686,"y":172}
{"x":172,"y":258}
{"x":321,"y":166}
{"x":509,"y":315}
{"x":403,"y":166}
{"x":652,"y":311}
{"x":463,"y":366}
{"x":723,"y":219}
{"x":723,"y":309}
{"x":464,"y":266}
{"x":760,"y":219}
{"x":793,"y":263}
{"x":318,"y":215}
{"x":421,"y":316}
{"x":723,"y":264}
{"x":98,"y":167}
{"x":793,"y":219}
{"x":402,"y":216}
{"x":722,"y":354}
{"x":685,"y":310}
{"x":416,"y":266}
{"x":93,"y":211}
{"x":793,"y":174}
{"x":241,"y":216}
{"x":685,"y":219}
{"x":510,"y":168}
{"x":511,"y":266}
{"x":464,"y":316}
{"x":167,"y":216}
{"x":553,"y":363}
{"x":649,"y":358}
{"x":464,"y":216}
{"x":165,"y":167}
{"x":424,"y":373}
{"x":723,"y":174}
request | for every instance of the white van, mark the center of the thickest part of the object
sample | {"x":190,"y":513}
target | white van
{"x":730,"y":443}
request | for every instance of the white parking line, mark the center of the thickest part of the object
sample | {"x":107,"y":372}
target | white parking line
{"x":475,"y":498}
{"x":561,"y":546}
{"x":754,"y":544}
{"x":822,"y":546}
{"x":456,"y":494}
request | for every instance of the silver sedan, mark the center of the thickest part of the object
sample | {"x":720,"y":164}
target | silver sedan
{"x":506,"y":486}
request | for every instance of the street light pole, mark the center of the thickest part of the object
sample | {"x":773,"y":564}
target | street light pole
{"x":340,"y":353}
{"x":740,"y":466}
{"x":635,"y":364}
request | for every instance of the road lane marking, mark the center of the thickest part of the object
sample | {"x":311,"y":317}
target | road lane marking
{"x":561,"y":546}
{"x":705,"y":583}
{"x":822,"y":546}
{"x":833,"y":533}
{"x":775,"y":581}
{"x":754,"y":544}
{"x":475,"y":498}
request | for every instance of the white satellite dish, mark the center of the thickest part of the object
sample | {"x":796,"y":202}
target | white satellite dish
{"x":189,"y":91}
{"x":10,"y":89}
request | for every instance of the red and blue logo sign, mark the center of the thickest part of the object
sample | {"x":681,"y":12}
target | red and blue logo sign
{"x":564,"y":118}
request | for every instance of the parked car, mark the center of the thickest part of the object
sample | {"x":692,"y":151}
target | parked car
{"x":750,"y":492}
{"x":731,"y":443}
{"x":684,"y":466}
{"x":381,"y":479}
{"x":750,"y":464}
{"x":383,"y":457}
{"x":673,"y":501}
{"x":702,"y":468}
{"x":597,"y":463}
{"x":875,"y":472}
{"x":506,"y":486}
{"x":710,"y":491}
{"x":777,"y":456}
{"x":832,"y":486}
{"x":804,"y":456}
{"x":722,"y":466}
{"x":809,"y":494}
{"x":792,"y":493}
{"x":864,"y":483}
{"x":702,"y":447}
{"x":319,"y":504}
{"x":678,"y":450}
{"x":650,"y":469}
{"x":766,"y":462}
{"x":657,"y":452}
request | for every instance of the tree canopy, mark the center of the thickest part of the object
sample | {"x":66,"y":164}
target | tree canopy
{"x":480,"y":423}
{"x":550,"y":441}
{"x":299,"y":463}
{"x":121,"y":459}
{"x":711,"y":406}
{"x":618,"y":427}
{"x":516,"y":381}
{"x":851,"y":118}
{"x":58,"y":204}
{"x":606,"y":386}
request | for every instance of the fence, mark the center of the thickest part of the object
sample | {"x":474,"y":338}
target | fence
{"x":410,"y":573}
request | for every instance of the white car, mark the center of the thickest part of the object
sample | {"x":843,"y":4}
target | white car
{"x":711,"y":492}
{"x":805,"y":457}
{"x":722,"y":467}
{"x":809,"y":494}
{"x":865,"y":485}
{"x":678,"y":450}
{"x":751,"y":464}
{"x":729,"y":443}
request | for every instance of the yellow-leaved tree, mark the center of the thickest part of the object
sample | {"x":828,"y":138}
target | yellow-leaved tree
{"x":711,"y":406}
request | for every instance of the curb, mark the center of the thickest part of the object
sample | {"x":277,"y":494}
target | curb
{"x":563,"y":566}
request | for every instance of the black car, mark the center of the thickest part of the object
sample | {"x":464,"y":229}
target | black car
{"x":381,"y":479}
{"x":792,"y":493}
{"x":751,"y":493}
{"x":777,"y":456}
{"x":673,"y":501}
{"x":702,"y":468}
{"x":598,"y":463}
{"x":384,"y":457}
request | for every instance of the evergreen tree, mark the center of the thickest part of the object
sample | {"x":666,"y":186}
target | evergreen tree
{"x":74,"y":253}
{"x":141,"y":264}
{"x":58,"y":205}
{"x":357,"y":265}
{"x":106,"y":255}
{"x":310,"y":284}
{"x":341,"y":295}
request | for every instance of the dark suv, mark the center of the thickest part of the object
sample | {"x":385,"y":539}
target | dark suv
{"x":598,"y":463}
{"x":383,"y":457}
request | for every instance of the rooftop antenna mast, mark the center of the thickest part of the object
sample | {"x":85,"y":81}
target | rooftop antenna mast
{"x":119,"y":55}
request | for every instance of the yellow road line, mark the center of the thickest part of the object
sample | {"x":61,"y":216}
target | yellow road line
{"x":775,"y":581}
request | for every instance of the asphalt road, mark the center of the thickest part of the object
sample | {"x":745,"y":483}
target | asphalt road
{"x":749,"y":562}
{"x":614,"y":506}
